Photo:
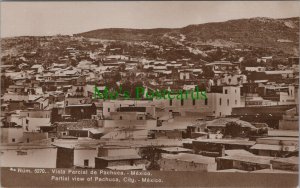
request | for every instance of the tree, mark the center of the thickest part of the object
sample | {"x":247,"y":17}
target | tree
{"x":208,"y":72}
{"x":233,"y":129}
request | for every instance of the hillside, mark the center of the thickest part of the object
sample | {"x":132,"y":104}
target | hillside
{"x":278,"y":34}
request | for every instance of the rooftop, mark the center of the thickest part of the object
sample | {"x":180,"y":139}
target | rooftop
{"x":249,"y":159}
{"x":121,"y":157}
{"x":226,"y":141}
{"x":175,"y":149}
{"x":190,"y":158}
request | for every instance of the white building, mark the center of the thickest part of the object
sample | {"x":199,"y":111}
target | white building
{"x":217,"y":104}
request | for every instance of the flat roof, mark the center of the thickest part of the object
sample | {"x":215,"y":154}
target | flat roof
{"x":231,"y":170}
{"x":227,"y":141}
{"x":238,"y":152}
{"x":126,"y":167}
{"x":249,"y":159}
{"x":121,"y":157}
{"x":284,"y":133}
{"x":289,"y":160}
{"x":175,"y":149}
{"x":267,"y":147}
{"x":190,"y":158}
{"x":279,"y":138}
{"x":272,"y":171}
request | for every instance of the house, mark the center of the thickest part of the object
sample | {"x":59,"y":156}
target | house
{"x":11,"y":134}
{"x":217,"y":147}
{"x":187,"y":162}
{"x":218,"y":102}
{"x":34,"y":124}
{"x":122,"y":160}
{"x":255,"y":69}
{"x":184,"y":75}
{"x":244,"y":162}
{"x":174,"y":150}
{"x":290,"y":120}
{"x":37,"y":68}
{"x":221,"y":67}
{"x":80,"y":111}
{"x":118,"y":157}
{"x":275,"y":146}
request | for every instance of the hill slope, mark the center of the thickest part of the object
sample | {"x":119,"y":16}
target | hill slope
{"x":279,"y":34}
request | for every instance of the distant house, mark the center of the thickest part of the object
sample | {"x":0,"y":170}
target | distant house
{"x":37,"y":68}
{"x":255,"y":69}
{"x":184,"y":75}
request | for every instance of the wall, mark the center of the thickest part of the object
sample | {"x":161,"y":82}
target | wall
{"x":82,"y":154}
{"x":33,"y":136}
{"x":112,"y":106}
{"x":37,"y":158}
{"x":36,"y":113}
{"x":147,"y":124}
{"x":109,"y":152}
{"x":65,"y":157}
{"x":179,"y":165}
{"x":7,"y":134}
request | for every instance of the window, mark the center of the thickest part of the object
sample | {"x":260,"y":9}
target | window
{"x":194,"y":102}
{"x":13,"y":140}
{"x":225,"y":91}
{"x":108,"y":109}
{"x":86,"y":162}
{"x":28,"y":115}
{"x":27,"y":140}
{"x":235,"y":101}
{"x":227,"y":102}
{"x":235,"y":90}
{"x":140,"y":118}
{"x":181,"y":102}
{"x":220,"y":101}
{"x":121,"y":117}
{"x":170,"y":102}
{"x":205,"y":102}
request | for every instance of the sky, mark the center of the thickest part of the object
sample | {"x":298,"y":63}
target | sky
{"x":51,"y":18}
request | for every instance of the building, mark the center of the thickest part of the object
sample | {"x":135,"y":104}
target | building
{"x":290,"y":120}
{"x":244,"y":162}
{"x":275,"y":146}
{"x":217,"y":147}
{"x":219,"y":103}
{"x":187,"y":162}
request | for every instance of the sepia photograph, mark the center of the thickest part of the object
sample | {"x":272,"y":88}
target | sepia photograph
{"x":149,"y":94}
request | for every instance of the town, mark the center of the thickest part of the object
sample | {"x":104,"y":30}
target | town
{"x":50,"y":117}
